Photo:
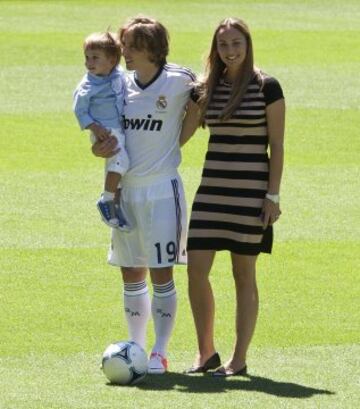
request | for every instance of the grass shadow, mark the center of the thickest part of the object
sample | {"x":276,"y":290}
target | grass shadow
{"x":209,"y":384}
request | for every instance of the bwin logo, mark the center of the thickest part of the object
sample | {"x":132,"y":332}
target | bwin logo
{"x":132,"y":313}
{"x":147,"y":124}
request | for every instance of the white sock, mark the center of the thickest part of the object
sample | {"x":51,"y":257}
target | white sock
{"x":163,"y":311}
{"x":107,"y":196}
{"x":137,"y":310}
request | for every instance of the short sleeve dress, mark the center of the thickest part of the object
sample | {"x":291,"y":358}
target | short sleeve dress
{"x":227,"y":207}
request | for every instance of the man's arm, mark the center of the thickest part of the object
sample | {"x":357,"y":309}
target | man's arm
{"x":190,"y":122}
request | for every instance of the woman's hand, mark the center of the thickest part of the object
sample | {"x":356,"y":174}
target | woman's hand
{"x":105,"y":148}
{"x":270,"y":213}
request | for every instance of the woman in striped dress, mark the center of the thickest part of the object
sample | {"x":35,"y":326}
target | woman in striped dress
{"x":237,"y":201}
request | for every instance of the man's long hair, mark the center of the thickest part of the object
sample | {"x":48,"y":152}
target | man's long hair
{"x":149,"y":35}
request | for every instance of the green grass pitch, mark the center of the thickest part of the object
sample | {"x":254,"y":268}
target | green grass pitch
{"x":61,"y":304}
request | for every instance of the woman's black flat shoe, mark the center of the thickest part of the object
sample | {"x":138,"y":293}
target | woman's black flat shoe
{"x":221,"y":372}
{"x":212,"y":363}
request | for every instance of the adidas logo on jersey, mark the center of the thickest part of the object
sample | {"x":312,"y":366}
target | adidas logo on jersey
{"x":147,"y":124}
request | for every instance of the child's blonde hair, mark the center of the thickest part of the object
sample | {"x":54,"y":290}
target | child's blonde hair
{"x":107,"y":42}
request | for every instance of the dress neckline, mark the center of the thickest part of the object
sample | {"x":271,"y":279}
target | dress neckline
{"x":225,"y":83}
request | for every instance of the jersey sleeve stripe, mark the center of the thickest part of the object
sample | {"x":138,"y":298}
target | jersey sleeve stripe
{"x":180,"y":70}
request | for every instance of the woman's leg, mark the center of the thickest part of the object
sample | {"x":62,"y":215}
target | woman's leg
{"x":202,"y":301}
{"x":247,"y":304}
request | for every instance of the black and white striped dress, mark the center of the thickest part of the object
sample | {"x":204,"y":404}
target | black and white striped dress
{"x":227,"y":206}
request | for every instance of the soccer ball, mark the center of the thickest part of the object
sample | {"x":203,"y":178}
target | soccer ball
{"x":124,"y":363}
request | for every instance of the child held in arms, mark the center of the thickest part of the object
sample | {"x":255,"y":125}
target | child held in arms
{"x":98,"y":106}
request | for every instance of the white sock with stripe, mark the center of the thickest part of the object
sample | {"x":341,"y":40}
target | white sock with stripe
{"x":107,"y":196}
{"x":137,"y":310}
{"x":163,"y":311}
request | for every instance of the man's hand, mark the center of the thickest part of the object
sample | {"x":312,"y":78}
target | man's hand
{"x":105,"y":148}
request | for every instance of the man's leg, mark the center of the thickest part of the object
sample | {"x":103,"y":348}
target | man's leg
{"x":163,"y":307}
{"x":136,"y":303}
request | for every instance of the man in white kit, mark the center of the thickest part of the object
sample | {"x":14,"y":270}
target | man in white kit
{"x":152,"y":195}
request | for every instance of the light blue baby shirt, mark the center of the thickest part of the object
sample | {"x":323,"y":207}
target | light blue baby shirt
{"x":100,"y":99}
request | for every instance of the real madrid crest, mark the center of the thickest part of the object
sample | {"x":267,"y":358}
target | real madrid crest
{"x":161,"y":102}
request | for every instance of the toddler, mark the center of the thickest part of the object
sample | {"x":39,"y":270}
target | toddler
{"x":98,"y":106}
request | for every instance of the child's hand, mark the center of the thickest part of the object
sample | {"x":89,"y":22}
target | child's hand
{"x":99,"y":131}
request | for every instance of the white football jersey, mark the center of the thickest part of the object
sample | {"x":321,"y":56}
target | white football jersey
{"x":152,"y":120}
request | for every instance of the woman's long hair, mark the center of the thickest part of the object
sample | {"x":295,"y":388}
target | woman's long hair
{"x":215,"y":68}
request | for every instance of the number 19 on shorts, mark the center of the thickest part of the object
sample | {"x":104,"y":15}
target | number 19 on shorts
{"x":166,"y":252}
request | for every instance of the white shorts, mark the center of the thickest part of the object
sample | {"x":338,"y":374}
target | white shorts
{"x":120,"y":162}
{"x":157,"y":215}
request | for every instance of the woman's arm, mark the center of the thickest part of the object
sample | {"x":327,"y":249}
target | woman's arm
{"x":190,"y":122}
{"x":275,"y":116}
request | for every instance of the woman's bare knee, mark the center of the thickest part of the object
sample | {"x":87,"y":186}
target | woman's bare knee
{"x":200,"y":262}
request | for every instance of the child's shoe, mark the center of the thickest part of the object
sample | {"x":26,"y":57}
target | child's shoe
{"x":108,"y":213}
{"x":123,"y":225}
